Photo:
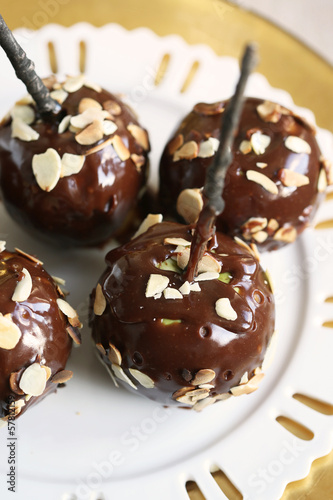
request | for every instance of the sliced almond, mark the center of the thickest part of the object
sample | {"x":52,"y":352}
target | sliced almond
{"x":260,"y":236}
{"x":289,"y":178}
{"x":208,"y":148}
{"x":242,"y":243}
{"x":100,"y":301}
{"x":99,"y":147}
{"x":269,"y":111}
{"x":185,"y":289}
{"x":88,"y":116}
{"x":48,"y":371}
{"x":175,"y":144}
{"x":101,"y":349}
{"x":120,"y":148}
{"x":176,"y":241}
{"x":59,"y":95}
{"x":272,"y":225}
{"x":27,"y":99}
{"x":23,"y":287}
{"x":225,"y":310}
{"x":93,"y":86}
{"x":148,"y":222}
{"x":121,"y":375}
{"x":142,"y":378}
{"x":195,"y":287}
{"x":74,"y":335}
{"x":203,"y":108}
{"x":206,"y":276}
{"x":87,"y":102}
{"x":222,"y":397}
{"x":138,"y":160}
{"x":29,"y":257}
{"x":250,"y":386}
{"x":18,"y":405}
{"x":47,"y":168}
{"x":24,"y":113}
{"x":262,"y":180}
{"x":2,"y":246}
{"x":209,"y":264}
{"x":255,"y":251}
{"x":322,"y":181}
{"x":261,"y":164}
{"x":156,"y":284}
{"x":245,"y":147}
{"x":188,"y":151}
{"x":62,"y":377}
{"x":183,"y":256}
{"x":21,"y":130}
{"x":254,"y":224}
{"x":297,"y":145}
{"x":260,"y":142}
{"x":190,"y":204}
{"x":192,"y":396}
{"x":203,"y":377}
{"x":200,"y":405}
{"x":71,"y":164}
{"x":64,"y":124}
{"x":114,"y":354}
{"x":139,"y":134}
{"x":172,"y":293}
{"x":74,"y":83}
{"x":287,"y":234}
{"x":112,"y":107}
{"x":109,"y":127}
{"x":66,"y":308}
{"x":244,"y":379}
{"x":33,"y":380}
{"x":91,"y":134}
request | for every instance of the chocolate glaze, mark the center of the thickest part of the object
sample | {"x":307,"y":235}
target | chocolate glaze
{"x":172,"y":354}
{"x":44,"y":338}
{"x":83,"y":209}
{"x":291,"y":207}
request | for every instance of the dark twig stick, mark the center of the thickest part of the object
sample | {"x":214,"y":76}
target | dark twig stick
{"x":215,"y":177}
{"x":25,"y":71}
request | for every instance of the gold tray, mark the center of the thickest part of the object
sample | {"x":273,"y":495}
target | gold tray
{"x":285,"y":61}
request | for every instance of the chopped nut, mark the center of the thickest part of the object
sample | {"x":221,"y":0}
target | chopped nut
{"x":250,"y":386}
{"x":290,"y":178}
{"x":261,"y":164}
{"x":176,"y":241}
{"x":203,"y":377}
{"x":87,"y":102}
{"x":148,"y":222}
{"x":91,"y":134}
{"x":66,"y":308}
{"x":18,"y":405}
{"x":74,"y":83}
{"x":272,"y":226}
{"x":64,"y":124}
{"x":33,"y":380}
{"x":24,"y":113}
{"x":222,"y":397}
{"x":120,"y":148}
{"x":260,"y":142}
{"x":225,"y":310}
{"x":139,"y":134}
{"x":322,"y":181}
{"x":89,"y":116}
{"x":138,"y":160}
{"x":21,"y":130}
{"x":29,"y":257}
{"x":93,"y":86}
{"x":203,"y":108}
{"x":59,"y":95}
{"x":47,"y":168}
{"x":297,"y":145}
{"x":208,"y":148}
{"x":101,"y":349}
{"x":260,"y":236}
{"x":206,"y":276}
{"x":188,"y":151}
{"x":156,"y":284}
{"x":172,"y":293}
{"x":254,"y":224}
{"x":269,"y":111}
{"x":62,"y":377}
{"x":112,"y":107}
{"x":245,"y":147}
{"x":185,"y":289}
{"x":195,"y":287}
{"x":190,"y":396}
{"x":23,"y":287}
{"x":109,"y":127}
{"x":100,"y":301}
{"x":121,"y":375}
{"x":73,"y":334}
{"x":142,"y":378}
{"x":262,"y":180}
{"x":190,"y":204}
{"x":244,"y":379}
{"x":114,"y":355}
{"x":2,"y":246}
{"x":99,"y":147}
{"x":175,"y":144}
{"x":71,"y":164}
{"x":286,"y":233}
{"x":200,"y":405}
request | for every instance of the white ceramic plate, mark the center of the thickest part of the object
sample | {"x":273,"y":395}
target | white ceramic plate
{"x":91,"y":440}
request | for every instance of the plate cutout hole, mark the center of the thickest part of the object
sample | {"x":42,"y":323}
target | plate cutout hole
{"x":228,"y":488}
{"x":329,"y":196}
{"x":329,"y":299}
{"x":315,"y":404}
{"x":162,"y":69}
{"x":328,"y":324}
{"x":190,"y":76}
{"x":194,"y":491}
{"x":297,"y":429}
{"x":82,"y":56}
{"x":52,"y":57}
{"x":326,"y":224}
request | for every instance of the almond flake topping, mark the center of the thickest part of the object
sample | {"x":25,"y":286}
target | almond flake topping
{"x":254,"y":224}
{"x":87,"y":102}
{"x":156,"y":284}
{"x":172,"y":293}
{"x":269,"y":111}
{"x":10,"y":333}
{"x":287,"y":234}
{"x":100,"y":301}
{"x":289,"y":178}
{"x":120,"y":148}
{"x":142,"y":378}
{"x":297,"y":145}
{"x":322,"y":181}
{"x":188,"y":151}
{"x":272,"y":225}
{"x":33,"y":380}
{"x":200,"y":405}
{"x":195,"y":287}
{"x":27,"y":99}
{"x":203,"y":377}
{"x":114,"y":355}
{"x":185,"y":289}
{"x":64,"y":124}
{"x":175,"y":144}
{"x":148,"y":222}
{"x":261,"y":164}
{"x":177,"y":241}
{"x":23,"y":131}
{"x":91,"y":134}
{"x":263,"y":180}
{"x":260,"y":236}
{"x":260,"y":142}
{"x":245,"y":147}
{"x":139,"y":134}
{"x":62,"y":377}
{"x":203,"y":108}
{"x":24,"y":113}
{"x":121,"y":375}
{"x":109,"y":127}
{"x":112,"y":107}
{"x":190,"y":396}
{"x":23,"y":288}
{"x":208,"y":148}
{"x":47,"y":168}
{"x":71,"y":164}
{"x":28,"y":256}
{"x":74,"y":83}
{"x":59,"y":95}
{"x":2,"y":246}
{"x":93,"y":86}
{"x":225,"y":310}
{"x":190,"y":204}
{"x":206,"y":276}
{"x":250,"y":386}
{"x":89,"y":116}
{"x":66,"y":308}
{"x":138,"y":160}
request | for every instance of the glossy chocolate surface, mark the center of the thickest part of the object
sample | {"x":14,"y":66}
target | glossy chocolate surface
{"x":44,"y":337}
{"x":291,"y":208}
{"x":86,"y":208}
{"x":171,"y":354}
